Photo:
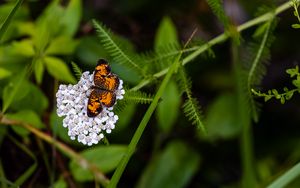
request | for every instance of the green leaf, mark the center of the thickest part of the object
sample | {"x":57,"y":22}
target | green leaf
{"x":173,"y":168}
{"x":76,"y":70}
{"x":60,"y":183}
{"x":61,"y":45}
{"x":166,"y":34}
{"x":282,"y":100}
{"x":105,"y":158}
{"x":8,"y":19}
{"x":23,"y":47}
{"x":221,"y":121}
{"x":58,"y":69}
{"x":25,"y":116}
{"x":289,"y":95}
{"x":267,"y":97}
{"x":34,"y":100}
{"x":297,"y":82}
{"x":4,"y":73}
{"x":260,"y":30}
{"x":89,"y":50}
{"x":168,"y":108}
{"x":71,"y":18}
{"x":293,"y":72}
{"x":14,"y":90}
{"x":39,"y":68}
{"x":296,"y":26}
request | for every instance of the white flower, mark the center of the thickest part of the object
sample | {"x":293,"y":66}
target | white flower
{"x":72,"y":103}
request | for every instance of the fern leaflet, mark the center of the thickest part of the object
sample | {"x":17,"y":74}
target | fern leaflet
{"x":191,"y":107}
{"x":259,"y":57}
{"x":115,"y":50}
{"x":77,"y":70}
{"x":192,"y":111}
{"x":217,"y":8}
{"x":137,"y":97}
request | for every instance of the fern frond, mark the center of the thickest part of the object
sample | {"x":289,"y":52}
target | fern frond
{"x":257,"y":59}
{"x":115,"y":50}
{"x":138,"y":97}
{"x":184,"y":82}
{"x":191,"y":107}
{"x":160,"y":58}
{"x":218,"y":10}
{"x":77,"y":70}
{"x":192,"y":111}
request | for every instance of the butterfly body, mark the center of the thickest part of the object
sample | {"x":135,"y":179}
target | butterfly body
{"x":103,"y":90}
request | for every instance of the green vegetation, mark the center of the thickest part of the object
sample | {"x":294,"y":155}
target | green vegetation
{"x":192,"y":114}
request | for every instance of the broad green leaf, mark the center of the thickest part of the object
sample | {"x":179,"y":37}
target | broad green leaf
{"x":8,"y":19}
{"x":16,"y":89}
{"x":48,"y":25}
{"x":166,"y":34}
{"x":221,"y":121}
{"x":24,"y":47}
{"x":71,"y":18}
{"x":34,"y":100}
{"x":168,"y":109}
{"x":26,"y":28}
{"x":38,"y":65}
{"x":106,"y":158}
{"x":25,"y":116}
{"x":61,"y":46}
{"x":173,"y":168}
{"x":60,"y":183}
{"x":89,"y":50}
{"x":4,"y":73}
{"x":9,"y":58}
{"x":58,"y":69}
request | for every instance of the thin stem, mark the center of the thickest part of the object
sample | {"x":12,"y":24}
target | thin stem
{"x":62,"y":147}
{"x":138,"y":133}
{"x":221,"y":38}
{"x":246,"y":148}
{"x":287,"y":177}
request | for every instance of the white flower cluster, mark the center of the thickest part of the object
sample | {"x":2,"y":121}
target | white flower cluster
{"x":72,"y":103}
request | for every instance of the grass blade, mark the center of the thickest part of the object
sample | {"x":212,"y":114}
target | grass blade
{"x":9,"y":18}
{"x":138,"y":133}
{"x":287,"y":177}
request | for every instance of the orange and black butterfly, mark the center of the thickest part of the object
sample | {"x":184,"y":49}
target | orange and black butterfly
{"x":103,"y":90}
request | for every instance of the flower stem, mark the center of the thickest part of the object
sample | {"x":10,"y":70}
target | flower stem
{"x":219,"y":39}
{"x":138,"y":133}
{"x":62,"y":147}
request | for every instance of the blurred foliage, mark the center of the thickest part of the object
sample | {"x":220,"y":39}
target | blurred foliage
{"x":241,"y":142}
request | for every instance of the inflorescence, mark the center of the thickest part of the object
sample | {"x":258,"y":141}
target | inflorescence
{"x":72,"y":103}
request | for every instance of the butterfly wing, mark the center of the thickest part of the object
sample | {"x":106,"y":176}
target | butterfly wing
{"x":107,"y":98}
{"x":110,"y":82}
{"x":102,"y":68}
{"x":94,"y":106}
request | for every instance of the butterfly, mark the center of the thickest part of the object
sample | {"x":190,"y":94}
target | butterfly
{"x":103,"y":92}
